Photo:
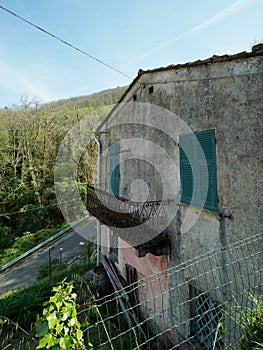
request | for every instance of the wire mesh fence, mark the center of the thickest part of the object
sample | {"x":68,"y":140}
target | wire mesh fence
{"x":212,"y":302}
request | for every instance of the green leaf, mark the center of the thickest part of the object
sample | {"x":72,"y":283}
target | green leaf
{"x":85,"y":324}
{"x":59,"y":328}
{"x":44,"y":341}
{"x":48,"y":309}
{"x":68,"y":342}
{"x":62,"y":343}
{"x":52,"y":321}
{"x":59,"y":297}
{"x":79,"y":336}
{"x":52,"y":341}
{"x":41,"y":329}
{"x":68,"y":305}
{"x":66,"y":330}
{"x":72,"y":322}
{"x":56,"y":299}
{"x":65,"y":316}
{"x":77,"y":323}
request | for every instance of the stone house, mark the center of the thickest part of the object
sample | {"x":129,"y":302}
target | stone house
{"x":180,"y":171}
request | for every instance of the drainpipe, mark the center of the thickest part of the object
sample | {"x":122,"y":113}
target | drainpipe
{"x":98,"y":185}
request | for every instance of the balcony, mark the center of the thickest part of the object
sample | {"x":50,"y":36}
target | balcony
{"x":141,"y":224}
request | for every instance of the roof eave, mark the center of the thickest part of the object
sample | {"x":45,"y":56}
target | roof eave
{"x":257,"y":50}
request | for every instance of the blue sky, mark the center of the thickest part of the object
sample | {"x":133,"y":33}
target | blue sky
{"x":128,"y":35}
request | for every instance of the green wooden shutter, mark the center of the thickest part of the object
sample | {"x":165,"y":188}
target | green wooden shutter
{"x":198,"y":169}
{"x":186,"y":168}
{"x":207,"y":169}
{"x":115,"y":169}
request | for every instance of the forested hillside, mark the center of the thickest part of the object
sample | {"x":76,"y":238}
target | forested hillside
{"x":30,"y":136}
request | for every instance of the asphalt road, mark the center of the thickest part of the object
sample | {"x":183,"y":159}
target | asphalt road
{"x":25,"y":272}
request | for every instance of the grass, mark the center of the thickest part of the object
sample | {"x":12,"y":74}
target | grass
{"x":18,"y":309}
{"x":111,"y":327}
{"x":21,"y":306}
{"x":104,"y":317}
{"x":106,"y":327}
{"x":252,"y":328}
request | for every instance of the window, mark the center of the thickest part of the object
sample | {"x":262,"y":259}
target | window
{"x":206,"y":320}
{"x":114,"y":245}
{"x":198,"y":169}
{"x":132,"y":278}
{"x":115,"y":169}
{"x":151,"y":90}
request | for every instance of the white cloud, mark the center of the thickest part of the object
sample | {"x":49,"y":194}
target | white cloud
{"x":35,"y":89}
{"x":18,"y":81}
{"x":235,"y":7}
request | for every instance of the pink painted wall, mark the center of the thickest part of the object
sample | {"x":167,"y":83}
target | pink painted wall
{"x":153,"y":283}
{"x":145,"y":266}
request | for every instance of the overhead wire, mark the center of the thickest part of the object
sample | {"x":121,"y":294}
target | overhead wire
{"x":73,"y":47}
{"x":66,"y":42}
{"x":37,"y":208}
{"x":28,"y":210}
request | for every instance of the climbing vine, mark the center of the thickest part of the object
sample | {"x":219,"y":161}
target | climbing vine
{"x":59,"y":327}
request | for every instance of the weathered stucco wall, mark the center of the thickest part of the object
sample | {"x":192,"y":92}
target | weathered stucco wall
{"x":226,"y":96}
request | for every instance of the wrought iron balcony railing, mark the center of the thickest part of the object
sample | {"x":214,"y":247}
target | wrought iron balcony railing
{"x":139,"y":223}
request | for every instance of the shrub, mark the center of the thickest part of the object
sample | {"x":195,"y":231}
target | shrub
{"x":24,"y":243}
{"x":82,"y":267}
{"x":252,"y":329}
{"x":43,"y":234}
{"x":7,"y":238}
{"x":9,"y":254}
{"x":88,"y":252}
{"x":45,"y":269}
